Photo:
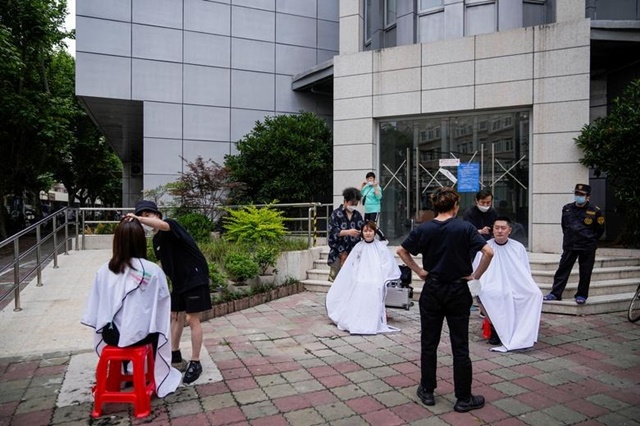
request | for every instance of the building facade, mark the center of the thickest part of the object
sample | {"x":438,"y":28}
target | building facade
{"x":472,"y":93}
{"x":501,"y":87}
{"x":173,"y":79}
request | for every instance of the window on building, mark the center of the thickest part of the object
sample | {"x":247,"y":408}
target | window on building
{"x":390,"y":13}
{"x":430,"y":20}
{"x":368,"y":17}
{"x":508,"y":121}
{"x":429,"y":4}
{"x":431,"y":26}
{"x":534,"y":12}
{"x":480,"y":17}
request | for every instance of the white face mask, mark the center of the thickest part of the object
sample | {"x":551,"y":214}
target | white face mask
{"x":147,"y":228}
{"x":351,"y":208}
{"x":484,"y":209}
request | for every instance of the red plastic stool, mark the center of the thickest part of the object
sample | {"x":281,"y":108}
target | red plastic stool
{"x":109,"y":378}
{"x":486,"y":328}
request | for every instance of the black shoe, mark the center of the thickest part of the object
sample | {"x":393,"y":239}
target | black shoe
{"x":494,"y":339}
{"x":181,"y":365}
{"x":427,"y":398}
{"x":194,"y":370}
{"x":473,"y":403}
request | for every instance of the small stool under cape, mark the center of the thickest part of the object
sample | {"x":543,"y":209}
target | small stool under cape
{"x":109,"y":378}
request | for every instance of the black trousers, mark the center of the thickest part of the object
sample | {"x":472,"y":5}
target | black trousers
{"x":370,"y":216}
{"x":586,"y":259}
{"x":452,"y":301}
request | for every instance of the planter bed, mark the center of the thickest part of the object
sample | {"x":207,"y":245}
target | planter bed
{"x":224,"y":308}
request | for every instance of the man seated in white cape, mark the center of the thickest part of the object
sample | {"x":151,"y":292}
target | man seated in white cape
{"x":508,"y":294}
{"x":132,"y":293}
{"x":355,"y":301}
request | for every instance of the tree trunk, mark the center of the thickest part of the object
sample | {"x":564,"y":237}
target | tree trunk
{"x":3,"y":219}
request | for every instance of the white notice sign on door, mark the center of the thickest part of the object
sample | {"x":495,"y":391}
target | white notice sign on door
{"x":449,"y":162}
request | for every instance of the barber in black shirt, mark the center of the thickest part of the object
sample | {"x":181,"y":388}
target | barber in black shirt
{"x":445,"y":243}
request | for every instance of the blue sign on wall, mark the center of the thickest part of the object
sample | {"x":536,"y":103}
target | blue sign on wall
{"x":469,"y":177}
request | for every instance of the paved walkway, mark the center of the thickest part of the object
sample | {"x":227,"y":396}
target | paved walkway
{"x":284,"y":363}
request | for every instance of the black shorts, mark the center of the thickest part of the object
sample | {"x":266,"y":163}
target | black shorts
{"x":191,"y":301}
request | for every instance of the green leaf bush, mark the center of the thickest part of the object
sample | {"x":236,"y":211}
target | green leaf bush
{"x":251,"y":226}
{"x":105,"y":228}
{"x":217,"y":278}
{"x":266,"y":257}
{"x":198,"y":225}
{"x":241,"y":267}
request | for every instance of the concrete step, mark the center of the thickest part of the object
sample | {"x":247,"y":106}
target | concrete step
{"x":318,"y":286}
{"x":599,"y":274}
{"x":596,"y":288}
{"x":320,"y":264}
{"x":601,"y":262}
{"x":318,"y":274}
{"x":595,"y":305}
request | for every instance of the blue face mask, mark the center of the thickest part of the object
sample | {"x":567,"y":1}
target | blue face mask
{"x":580,"y":199}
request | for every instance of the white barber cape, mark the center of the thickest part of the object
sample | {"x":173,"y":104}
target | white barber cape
{"x":510,"y":297}
{"x":139,"y":303}
{"x":355,"y":301}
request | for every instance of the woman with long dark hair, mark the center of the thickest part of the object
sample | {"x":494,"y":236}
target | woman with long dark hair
{"x":129,"y":304}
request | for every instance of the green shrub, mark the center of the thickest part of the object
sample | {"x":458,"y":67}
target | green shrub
{"x":222,"y":294}
{"x":262,"y":288}
{"x":266,"y":257}
{"x":105,"y":228}
{"x":251,"y":226}
{"x":198,"y":225}
{"x":217,"y":278}
{"x":240,"y":267}
{"x":294,"y":244}
{"x":216,"y":250}
{"x":151,"y":255}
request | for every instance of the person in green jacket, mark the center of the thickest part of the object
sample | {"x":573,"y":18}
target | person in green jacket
{"x":371,"y":197}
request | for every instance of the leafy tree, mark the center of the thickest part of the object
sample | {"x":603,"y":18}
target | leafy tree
{"x":44,"y":133}
{"x":32,"y":118}
{"x":286,"y":158}
{"x":610,"y":145}
{"x":204,"y":186}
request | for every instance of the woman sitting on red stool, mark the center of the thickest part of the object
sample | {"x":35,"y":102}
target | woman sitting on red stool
{"x":130,"y":305}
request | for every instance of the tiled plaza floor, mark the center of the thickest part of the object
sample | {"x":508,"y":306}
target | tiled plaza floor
{"x":284,"y":363}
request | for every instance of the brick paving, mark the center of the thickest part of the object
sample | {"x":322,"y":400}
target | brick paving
{"x":284,"y":363}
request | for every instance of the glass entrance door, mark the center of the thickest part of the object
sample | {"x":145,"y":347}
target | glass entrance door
{"x":410,"y":166}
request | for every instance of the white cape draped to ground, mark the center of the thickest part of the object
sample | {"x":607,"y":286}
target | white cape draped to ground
{"x":355,"y":301}
{"x":510,"y":297}
{"x":147,"y":310}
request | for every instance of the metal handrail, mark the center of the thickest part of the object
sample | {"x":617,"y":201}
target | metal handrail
{"x":18,"y":256}
{"x":85,"y":222}
{"x":312,"y":218}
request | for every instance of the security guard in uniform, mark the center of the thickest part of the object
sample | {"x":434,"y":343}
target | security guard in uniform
{"x":582,"y":226}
